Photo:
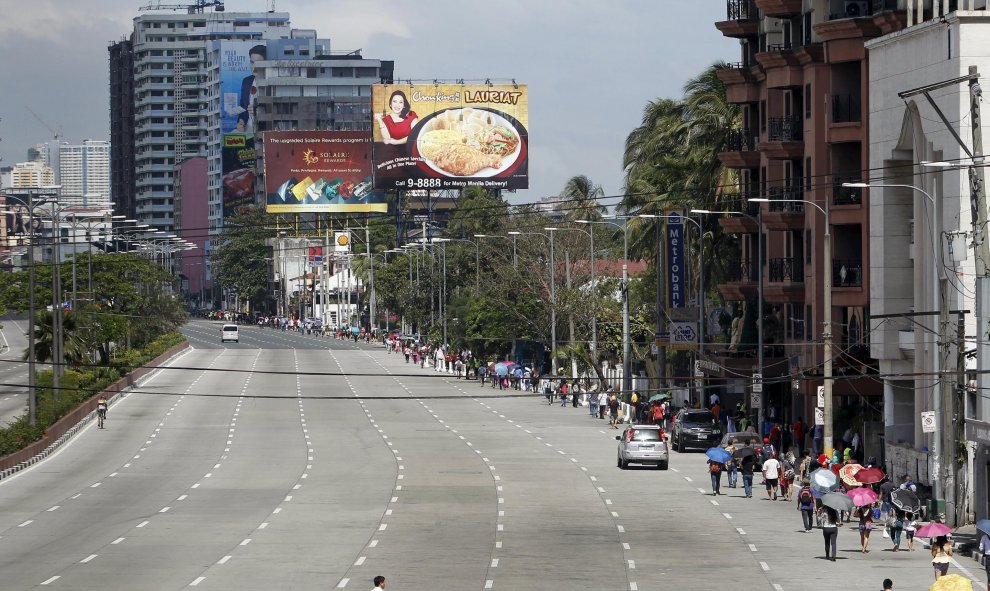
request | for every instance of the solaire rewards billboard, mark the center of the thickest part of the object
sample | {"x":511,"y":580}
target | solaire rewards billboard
{"x":320,"y":171}
{"x":450,"y":136}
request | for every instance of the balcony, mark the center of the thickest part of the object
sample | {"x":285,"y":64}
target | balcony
{"x":740,"y":83}
{"x":847,"y":273}
{"x":781,"y":65}
{"x":785,"y":138}
{"x":846,"y":195}
{"x":779,"y":8}
{"x":740,"y":280}
{"x":784,"y":269}
{"x":785,"y":281}
{"x":784,"y":214}
{"x":845,"y":108}
{"x":742,"y":19}
{"x":739,"y":224}
{"x":740,"y":149}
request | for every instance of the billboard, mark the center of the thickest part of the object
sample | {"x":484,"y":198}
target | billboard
{"x":320,"y":171}
{"x":675,"y":271}
{"x":450,"y":136}
{"x":237,"y":84}
{"x":237,"y":161}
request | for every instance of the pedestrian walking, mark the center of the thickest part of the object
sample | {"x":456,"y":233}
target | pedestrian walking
{"x":895,"y":525}
{"x":888,"y":585}
{"x":985,"y":551}
{"x":830,"y":531}
{"x":379,"y":582}
{"x":593,"y":404}
{"x":715,"y":471}
{"x":613,"y":412}
{"x":910,"y":525}
{"x":865,"y":515}
{"x":771,"y":475}
{"x":806,"y":505}
{"x":602,"y":404}
{"x":746,"y":466}
{"x":731,"y":466}
{"x":941,"y":555}
{"x":563,"y":394}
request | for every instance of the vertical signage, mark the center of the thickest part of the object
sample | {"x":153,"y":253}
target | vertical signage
{"x":676,"y":288}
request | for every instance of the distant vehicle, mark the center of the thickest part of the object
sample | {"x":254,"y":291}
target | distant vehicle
{"x":229,"y":332}
{"x":694,"y":428}
{"x":742,"y":437}
{"x":642,"y":444}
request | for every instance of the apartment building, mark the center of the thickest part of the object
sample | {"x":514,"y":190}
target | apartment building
{"x":801,"y":84}
{"x":84,"y":172}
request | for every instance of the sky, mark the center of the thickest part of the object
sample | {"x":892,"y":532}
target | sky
{"x":591,"y":66}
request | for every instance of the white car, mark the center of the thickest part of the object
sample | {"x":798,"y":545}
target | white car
{"x":229,"y":332}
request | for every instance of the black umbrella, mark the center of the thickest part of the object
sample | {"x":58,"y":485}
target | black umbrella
{"x":905,"y":500}
{"x":743,"y":452}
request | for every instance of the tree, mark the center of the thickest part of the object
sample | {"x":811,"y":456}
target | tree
{"x":582,"y":199}
{"x":240,"y":261}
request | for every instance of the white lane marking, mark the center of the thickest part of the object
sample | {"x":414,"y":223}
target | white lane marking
{"x":195,"y":485}
{"x":675,"y":469}
{"x":51,"y":580}
{"x":764,"y":566}
{"x":388,"y":511}
{"x":224,"y":559}
{"x":632,"y":564}
{"x":702,"y":491}
{"x":360,"y":561}
{"x":621,"y":529}
{"x":143,"y":523}
{"x":608,"y":501}
{"x":615,"y":514}
{"x":713,"y":502}
{"x":500,"y":527}
{"x":277,"y":510}
{"x":263,"y":525}
{"x":777,"y":587}
{"x":741,"y":531}
{"x":55,"y":508}
{"x":633,"y":586}
{"x":164,"y":509}
{"x":394,"y":499}
{"x":88,"y":558}
{"x":197,"y":581}
{"x":95,"y":485}
{"x":593,"y":479}
{"x":26,"y":523}
{"x":288,"y":498}
{"x":297,"y":487}
{"x":182,"y":497}
{"x":601,"y":489}
{"x":76,"y":496}
{"x":208,"y":475}
{"x":489,"y":584}
{"x":373,"y":543}
{"x":494,"y":563}
{"x":117,"y":541}
{"x":498,"y":544}
{"x":112,"y":474}
{"x":688,"y":478}
{"x":245,"y":542}
{"x":727,"y":516}
{"x":342,"y":583}
{"x":127,"y":465}
{"x":382,"y":527}
{"x":625,"y":545}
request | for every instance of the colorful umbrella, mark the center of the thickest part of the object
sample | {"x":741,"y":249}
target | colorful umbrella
{"x":983,"y":525}
{"x":952,"y":582}
{"x":862,"y":497}
{"x":824,"y":478}
{"x":905,"y":500}
{"x":933,"y":530}
{"x":838,"y":501}
{"x":869,"y":475}
{"x":717,"y":454}
{"x":848,"y":472}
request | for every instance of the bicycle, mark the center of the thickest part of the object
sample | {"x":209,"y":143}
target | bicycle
{"x":101,"y":413}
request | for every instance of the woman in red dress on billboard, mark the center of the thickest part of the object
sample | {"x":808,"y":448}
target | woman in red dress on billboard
{"x":397,"y":125}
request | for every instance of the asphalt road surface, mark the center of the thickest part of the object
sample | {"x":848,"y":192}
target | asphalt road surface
{"x":13,"y":371}
{"x":296,"y":462}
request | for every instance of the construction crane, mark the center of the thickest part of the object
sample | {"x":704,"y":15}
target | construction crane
{"x":56,"y":133}
{"x":196,"y":7}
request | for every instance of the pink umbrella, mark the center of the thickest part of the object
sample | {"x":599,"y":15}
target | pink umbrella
{"x":862,"y":496}
{"x":933,"y":530}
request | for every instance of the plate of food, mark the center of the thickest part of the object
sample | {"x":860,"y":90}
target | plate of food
{"x":469,"y":142}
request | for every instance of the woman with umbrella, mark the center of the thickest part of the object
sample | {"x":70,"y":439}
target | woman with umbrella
{"x":830,"y":530}
{"x":717,"y":457}
{"x":865,"y":514}
{"x":941,"y":555}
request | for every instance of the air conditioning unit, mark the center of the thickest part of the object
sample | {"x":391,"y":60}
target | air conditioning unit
{"x":857,"y":8}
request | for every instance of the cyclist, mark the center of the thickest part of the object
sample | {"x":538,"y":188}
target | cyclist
{"x":101,"y":411}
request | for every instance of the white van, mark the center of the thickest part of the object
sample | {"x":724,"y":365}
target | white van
{"x":229,"y":333}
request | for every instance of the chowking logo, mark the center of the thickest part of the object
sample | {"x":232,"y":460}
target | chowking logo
{"x":234,"y":141}
{"x":310,"y":157}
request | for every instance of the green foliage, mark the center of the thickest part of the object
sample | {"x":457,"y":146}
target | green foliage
{"x":240,"y":262}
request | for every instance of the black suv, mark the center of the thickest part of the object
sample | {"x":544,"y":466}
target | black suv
{"x":694,"y":428}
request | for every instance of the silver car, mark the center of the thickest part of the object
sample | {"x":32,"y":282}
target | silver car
{"x":642,"y":444}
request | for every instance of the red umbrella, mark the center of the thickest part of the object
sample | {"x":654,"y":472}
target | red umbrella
{"x":869,"y":475}
{"x":933,"y":530}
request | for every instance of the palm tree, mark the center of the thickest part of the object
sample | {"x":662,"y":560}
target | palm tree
{"x":581,"y":199}
{"x":74,"y":349}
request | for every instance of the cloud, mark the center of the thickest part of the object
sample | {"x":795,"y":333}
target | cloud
{"x":59,"y":21}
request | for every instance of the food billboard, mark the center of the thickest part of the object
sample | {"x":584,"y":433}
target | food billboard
{"x":237,"y":161}
{"x":320,"y":171}
{"x":450,"y":136}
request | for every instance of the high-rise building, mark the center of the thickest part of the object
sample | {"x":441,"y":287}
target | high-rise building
{"x":31,"y":174}
{"x":158,"y":83}
{"x":84,"y":170}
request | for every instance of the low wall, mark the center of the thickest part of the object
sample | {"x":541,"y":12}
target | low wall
{"x":67,"y":426}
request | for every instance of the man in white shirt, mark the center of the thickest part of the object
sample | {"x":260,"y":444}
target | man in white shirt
{"x":771,"y":475}
{"x":379,"y":583}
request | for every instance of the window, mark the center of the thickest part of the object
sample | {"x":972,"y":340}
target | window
{"x":807,"y":246}
{"x":807,"y":101}
{"x":807,"y":174}
{"x":810,"y":332}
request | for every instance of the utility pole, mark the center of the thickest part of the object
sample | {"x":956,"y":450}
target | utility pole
{"x":570,"y":314}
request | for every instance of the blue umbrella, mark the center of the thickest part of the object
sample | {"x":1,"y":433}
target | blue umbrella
{"x":983,"y":525}
{"x":717,"y":454}
{"x":501,"y":369}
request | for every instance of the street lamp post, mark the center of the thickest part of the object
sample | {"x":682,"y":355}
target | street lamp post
{"x":939,"y":446}
{"x":553,"y":295}
{"x":827,"y":316}
{"x":759,"y":297}
{"x":594,"y":299}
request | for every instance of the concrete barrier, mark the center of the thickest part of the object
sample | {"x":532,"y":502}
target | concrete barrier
{"x":63,"y":429}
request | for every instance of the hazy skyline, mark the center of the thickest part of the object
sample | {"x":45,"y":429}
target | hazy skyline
{"x":591,"y":67}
